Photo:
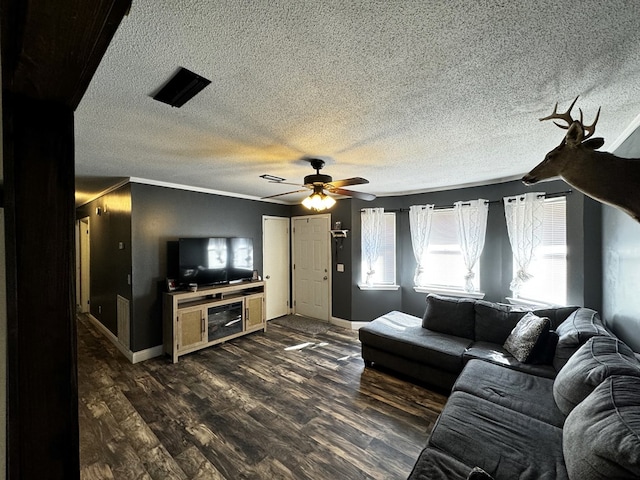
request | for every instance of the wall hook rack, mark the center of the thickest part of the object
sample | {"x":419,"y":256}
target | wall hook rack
{"x":339,"y":233}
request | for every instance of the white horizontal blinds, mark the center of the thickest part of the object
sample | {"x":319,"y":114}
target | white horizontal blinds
{"x":444,"y":264}
{"x":549,"y":267}
{"x":382,"y":269}
{"x":387,"y":260}
{"x":371,"y":222}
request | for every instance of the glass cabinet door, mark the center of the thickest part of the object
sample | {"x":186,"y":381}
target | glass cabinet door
{"x":224,"y":320}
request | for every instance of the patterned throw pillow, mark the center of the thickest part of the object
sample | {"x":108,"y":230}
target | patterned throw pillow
{"x":528,"y":333}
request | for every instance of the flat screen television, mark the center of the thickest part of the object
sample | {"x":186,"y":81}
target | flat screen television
{"x":214,"y":260}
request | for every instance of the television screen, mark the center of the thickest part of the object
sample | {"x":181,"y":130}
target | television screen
{"x":214,"y":260}
{"x":241,"y":259}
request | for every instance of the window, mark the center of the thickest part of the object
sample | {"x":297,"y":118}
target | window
{"x":385,"y":265}
{"x":444,"y":264}
{"x":549,"y":266}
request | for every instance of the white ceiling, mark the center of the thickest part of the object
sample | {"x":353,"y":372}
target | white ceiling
{"x":412,"y":95}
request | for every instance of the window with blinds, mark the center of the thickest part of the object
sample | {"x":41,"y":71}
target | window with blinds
{"x":549,"y":266}
{"x":444,"y":264}
{"x":385,"y":266}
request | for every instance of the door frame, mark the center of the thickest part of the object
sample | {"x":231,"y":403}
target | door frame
{"x":83,"y":269}
{"x":327,"y":217}
{"x":288,"y":269}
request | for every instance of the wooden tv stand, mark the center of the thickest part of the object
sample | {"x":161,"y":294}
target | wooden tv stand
{"x":211,"y":315}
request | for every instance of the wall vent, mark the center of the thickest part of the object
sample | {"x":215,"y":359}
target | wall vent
{"x":181,"y":88}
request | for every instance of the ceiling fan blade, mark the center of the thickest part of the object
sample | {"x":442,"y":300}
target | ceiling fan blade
{"x":351,"y":193}
{"x":285,"y":193}
{"x":348,"y":181}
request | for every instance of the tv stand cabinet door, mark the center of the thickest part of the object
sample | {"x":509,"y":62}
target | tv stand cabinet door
{"x":191,"y":328}
{"x":254,"y":314}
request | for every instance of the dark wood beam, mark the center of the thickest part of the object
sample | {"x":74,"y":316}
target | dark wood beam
{"x":50,"y":51}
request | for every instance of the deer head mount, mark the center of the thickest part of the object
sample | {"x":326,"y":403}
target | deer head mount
{"x":600,"y":175}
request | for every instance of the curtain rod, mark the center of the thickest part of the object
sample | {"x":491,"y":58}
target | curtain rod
{"x":441,"y":207}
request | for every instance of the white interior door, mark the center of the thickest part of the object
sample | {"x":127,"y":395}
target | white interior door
{"x":311,"y":266}
{"x":275,"y":265}
{"x":84,"y":280}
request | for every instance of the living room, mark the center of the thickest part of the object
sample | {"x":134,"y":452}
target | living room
{"x":601,"y":240}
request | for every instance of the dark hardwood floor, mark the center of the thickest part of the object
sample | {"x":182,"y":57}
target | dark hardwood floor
{"x":248,"y":409}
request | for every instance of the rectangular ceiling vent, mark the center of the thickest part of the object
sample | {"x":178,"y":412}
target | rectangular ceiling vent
{"x":181,"y":88}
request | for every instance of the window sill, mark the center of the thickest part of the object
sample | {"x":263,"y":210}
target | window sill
{"x":363,"y":286}
{"x":529,"y":303}
{"x":452,"y":292}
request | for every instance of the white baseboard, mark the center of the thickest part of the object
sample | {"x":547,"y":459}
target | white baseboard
{"x":133,"y":357}
{"x":341,"y":322}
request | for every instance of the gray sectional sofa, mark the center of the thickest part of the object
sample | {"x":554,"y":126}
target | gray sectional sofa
{"x":549,"y":394}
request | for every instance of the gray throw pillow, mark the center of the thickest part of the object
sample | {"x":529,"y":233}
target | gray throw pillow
{"x":528,"y":332}
{"x":593,"y":362}
{"x":601,"y":436}
{"x":450,"y":315}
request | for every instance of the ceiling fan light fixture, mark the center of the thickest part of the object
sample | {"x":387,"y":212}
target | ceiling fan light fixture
{"x":318,"y":200}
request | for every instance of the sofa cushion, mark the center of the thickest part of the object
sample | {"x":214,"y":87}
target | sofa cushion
{"x":490,"y":352}
{"x":556,"y":315}
{"x":602,"y":434}
{"x":494,"y":322}
{"x":403,"y":335}
{"x":516,"y":390}
{"x":599,"y":358}
{"x":529,"y":334}
{"x":432,"y":464}
{"x":501,"y":441}
{"x":453,"y":316}
{"x":579,"y":327}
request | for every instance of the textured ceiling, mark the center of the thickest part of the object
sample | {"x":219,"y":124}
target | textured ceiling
{"x":412,"y":95}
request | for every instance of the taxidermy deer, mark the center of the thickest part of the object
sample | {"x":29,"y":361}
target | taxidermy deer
{"x":600,"y":175}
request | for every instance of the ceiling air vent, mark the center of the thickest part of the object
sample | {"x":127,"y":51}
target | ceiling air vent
{"x":181,"y":88}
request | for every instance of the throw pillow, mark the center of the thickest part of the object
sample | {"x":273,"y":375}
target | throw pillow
{"x":523,"y":339}
{"x":453,"y":316}
{"x":599,"y":358}
{"x":601,"y":436}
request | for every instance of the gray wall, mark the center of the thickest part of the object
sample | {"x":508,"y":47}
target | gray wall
{"x":157,"y":216}
{"x":110,"y":265}
{"x":161,"y":215}
{"x":583,"y":238}
{"x":621,"y":263}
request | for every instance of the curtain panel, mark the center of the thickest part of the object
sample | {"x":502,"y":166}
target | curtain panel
{"x":471,"y":220}
{"x":420,"y":217}
{"x":524,"y":214}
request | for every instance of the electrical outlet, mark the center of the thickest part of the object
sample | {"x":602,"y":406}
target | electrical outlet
{"x":99,"y":308}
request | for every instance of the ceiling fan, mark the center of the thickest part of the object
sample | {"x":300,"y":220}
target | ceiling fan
{"x":319,"y":182}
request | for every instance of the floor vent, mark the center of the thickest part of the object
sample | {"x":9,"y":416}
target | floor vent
{"x":123,"y":313}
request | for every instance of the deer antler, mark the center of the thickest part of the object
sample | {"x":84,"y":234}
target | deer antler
{"x":589,"y":129}
{"x":566,"y":116}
